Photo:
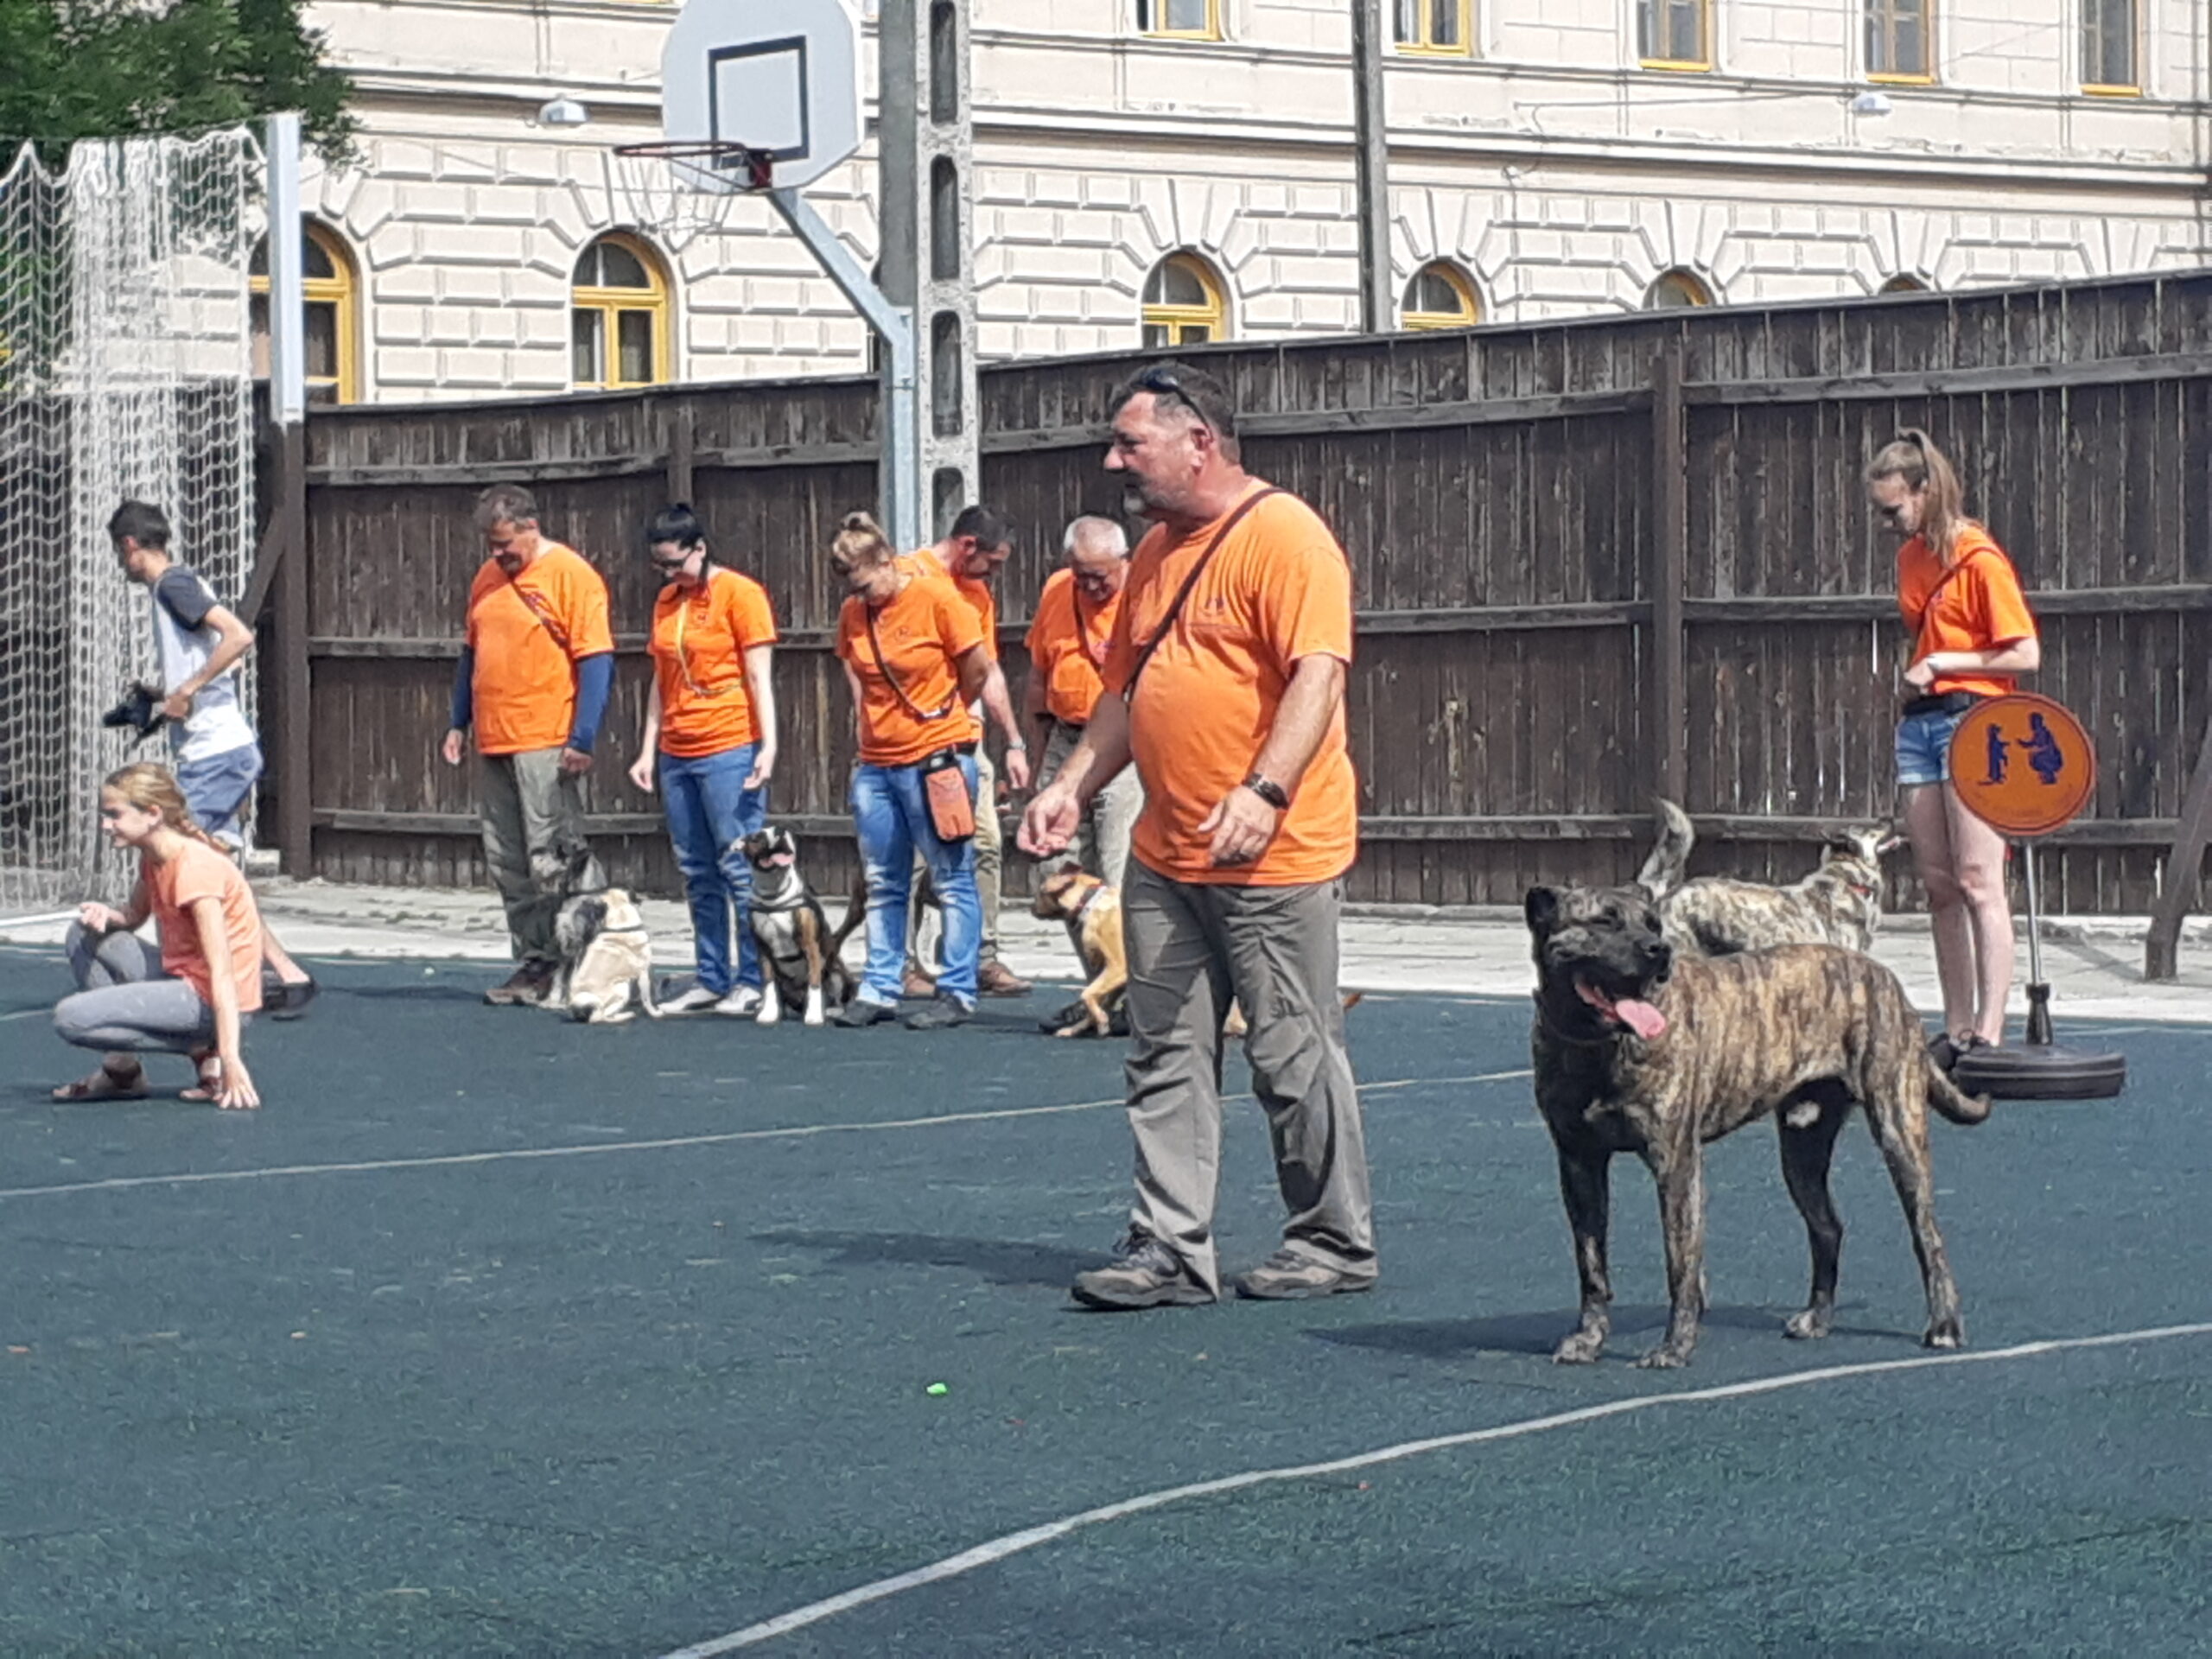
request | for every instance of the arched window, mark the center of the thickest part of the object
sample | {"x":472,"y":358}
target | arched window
{"x":331,"y":297}
{"x":1183,"y":303}
{"x":1441,"y":296}
{"x":1905,"y":283}
{"x":619,"y":321}
{"x":1674,"y":290}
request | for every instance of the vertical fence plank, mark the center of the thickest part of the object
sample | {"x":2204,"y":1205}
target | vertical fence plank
{"x":1669,"y":575}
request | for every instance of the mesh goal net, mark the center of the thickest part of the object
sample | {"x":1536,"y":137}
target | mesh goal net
{"x":125,"y":373}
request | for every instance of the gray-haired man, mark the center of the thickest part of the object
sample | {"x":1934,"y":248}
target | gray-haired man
{"x":1067,"y":646}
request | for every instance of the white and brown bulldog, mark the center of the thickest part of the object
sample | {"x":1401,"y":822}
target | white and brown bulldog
{"x":807,"y":974}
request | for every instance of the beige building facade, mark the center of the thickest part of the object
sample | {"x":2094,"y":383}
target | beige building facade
{"x":1167,"y":169}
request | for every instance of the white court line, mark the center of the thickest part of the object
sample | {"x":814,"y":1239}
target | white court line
{"x":1013,"y":1543}
{"x":124,"y":1183}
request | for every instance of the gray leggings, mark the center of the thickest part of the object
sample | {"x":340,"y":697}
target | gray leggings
{"x":127,"y":1002}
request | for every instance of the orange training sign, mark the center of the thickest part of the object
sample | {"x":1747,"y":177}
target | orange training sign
{"x":2022,"y":764}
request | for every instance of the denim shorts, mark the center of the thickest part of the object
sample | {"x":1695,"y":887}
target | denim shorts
{"x":217,"y":788}
{"x":1924,"y":747}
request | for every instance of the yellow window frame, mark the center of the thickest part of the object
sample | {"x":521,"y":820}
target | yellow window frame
{"x":1160,"y":31}
{"x":1891,"y":77}
{"x":611,"y":303}
{"x":2116,"y":88}
{"x":1212,"y":316}
{"x":1425,"y":47}
{"x":1695,"y":291}
{"x":342,"y":294}
{"x":1703,"y":63}
{"x":1471,"y":306}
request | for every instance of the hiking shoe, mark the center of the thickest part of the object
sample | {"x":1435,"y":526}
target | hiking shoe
{"x":1058,"y":1021}
{"x":862,"y":1012}
{"x":743,"y":1003}
{"x":944,"y":1009}
{"x":524,"y":988}
{"x":1149,"y":1275}
{"x":995,"y":978}
{"x":1289,"y":1276}
{"x":918,"y":985}
{"x":696,"y":999}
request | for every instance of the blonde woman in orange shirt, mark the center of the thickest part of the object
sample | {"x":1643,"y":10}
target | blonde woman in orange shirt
{"x":192,"y":997}
{"x":1972,"y":633}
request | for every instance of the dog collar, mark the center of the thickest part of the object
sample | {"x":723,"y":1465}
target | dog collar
{"x":1089,"y":900}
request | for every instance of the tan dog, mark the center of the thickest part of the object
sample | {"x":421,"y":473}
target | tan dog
{"x":606,"y":972}
{"x":1092,"y":913}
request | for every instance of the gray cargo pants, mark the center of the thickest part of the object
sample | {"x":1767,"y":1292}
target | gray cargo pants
{"x":1191,"y":948}
{"x":533,"y":817}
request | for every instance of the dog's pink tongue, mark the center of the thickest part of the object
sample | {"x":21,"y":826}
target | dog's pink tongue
{"x":1640,"y":1018}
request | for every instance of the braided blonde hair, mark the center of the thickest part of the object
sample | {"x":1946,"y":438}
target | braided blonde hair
{"x":154,"y":789}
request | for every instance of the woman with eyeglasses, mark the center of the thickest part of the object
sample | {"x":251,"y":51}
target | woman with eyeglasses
{"x":915,"y":661}
{"x":710,"y":734}
{"x":1972,"y":633}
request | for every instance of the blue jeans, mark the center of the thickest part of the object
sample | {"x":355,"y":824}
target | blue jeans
{"x":709,"y":811}
{"x":217,"y":788}
{"x":892,"y":813}
{"x":1924,"y":747}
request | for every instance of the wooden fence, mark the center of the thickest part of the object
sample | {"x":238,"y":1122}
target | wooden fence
{"x":1592,"y":559}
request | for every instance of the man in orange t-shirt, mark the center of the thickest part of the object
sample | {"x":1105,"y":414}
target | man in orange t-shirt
{"x":1225,"y":683}
{"x":970,"y":556}
{"x":537,"y":667}
{"x":1068,"y":640}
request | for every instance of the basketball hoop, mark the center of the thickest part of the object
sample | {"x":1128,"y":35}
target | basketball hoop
{"x":711,"y":163}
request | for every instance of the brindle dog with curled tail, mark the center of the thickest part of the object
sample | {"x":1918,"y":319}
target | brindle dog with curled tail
{"x":1638,"y":1050}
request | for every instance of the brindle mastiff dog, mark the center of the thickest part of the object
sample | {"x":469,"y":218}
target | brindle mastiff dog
{"x":1637,"y":1050}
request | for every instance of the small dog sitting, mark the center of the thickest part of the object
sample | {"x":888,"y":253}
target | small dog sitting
{"x":1839,"y":902}
{"x":605,"y":975}
{"x":805,"y":960}
{"x":1638,"y":1049}
{"x":1092,"y":913}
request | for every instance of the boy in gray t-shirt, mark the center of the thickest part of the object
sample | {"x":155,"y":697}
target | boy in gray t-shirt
{"x":200,"y":644}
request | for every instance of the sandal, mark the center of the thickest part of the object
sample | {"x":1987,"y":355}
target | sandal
{"x":288,"y":999}
{"x":105,"y":1084}
{"x":211,"y":1079}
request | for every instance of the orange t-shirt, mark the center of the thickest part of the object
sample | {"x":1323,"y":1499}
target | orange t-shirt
{"x":699,"y":642}
{"x":528,"y":635}
{"x":199,"y":872}
{"x":1981,"y":608}
{"x":923,"y":632}
{"x":980,"y":595}
{"x":1067,"y":643}
{"x":1279,"y":589}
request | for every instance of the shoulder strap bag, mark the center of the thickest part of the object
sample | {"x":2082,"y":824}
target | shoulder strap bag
{"x":1175,"y":607}
{"x":944,"y":785}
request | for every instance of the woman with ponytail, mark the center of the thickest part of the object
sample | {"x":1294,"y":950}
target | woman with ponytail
{"x":915,"y":660}
{"x":1972,"y":633}
{"x":710,"y":739}
{"x":195,"y":997}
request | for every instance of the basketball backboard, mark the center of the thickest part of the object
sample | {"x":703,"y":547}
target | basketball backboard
{"x":780,"y":77}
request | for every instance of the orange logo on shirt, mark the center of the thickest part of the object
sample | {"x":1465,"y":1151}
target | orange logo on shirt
{"x":2022,"y":764}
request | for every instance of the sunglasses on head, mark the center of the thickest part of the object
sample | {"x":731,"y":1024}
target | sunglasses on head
{"x":1162,"y":383}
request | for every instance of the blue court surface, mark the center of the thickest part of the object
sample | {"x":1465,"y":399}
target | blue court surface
{"x":496,"y":1335}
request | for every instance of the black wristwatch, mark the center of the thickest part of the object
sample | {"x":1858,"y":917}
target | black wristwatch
{"x":1268,"y":791}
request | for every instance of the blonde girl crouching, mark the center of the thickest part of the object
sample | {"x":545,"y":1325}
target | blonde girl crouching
{"x":195,"y":996}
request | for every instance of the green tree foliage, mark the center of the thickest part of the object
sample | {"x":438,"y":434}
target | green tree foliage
{"x":76,"y":69}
